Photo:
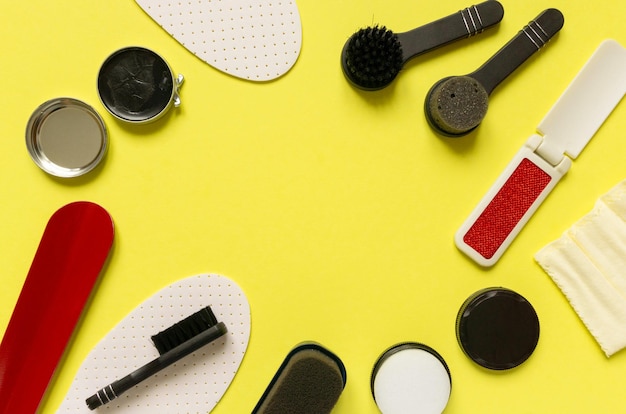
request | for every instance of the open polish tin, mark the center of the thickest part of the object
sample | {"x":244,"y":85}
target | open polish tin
{"x":137,"y":85}
{"x":66,"y":137}
{"x":411,"y":377}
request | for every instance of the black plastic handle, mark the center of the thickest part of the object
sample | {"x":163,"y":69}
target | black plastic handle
{"x":528,"y":41}
{"x":115,"y":389}
{"x":465,"y":23}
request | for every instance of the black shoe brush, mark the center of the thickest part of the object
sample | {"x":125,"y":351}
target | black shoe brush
{"x":174,"y":343}
{"x":373,"y":56}
{"x":456,"y":105}
{"x":309,"y":381}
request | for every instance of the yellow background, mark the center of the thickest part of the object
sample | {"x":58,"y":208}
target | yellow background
{"x":333,"y":209}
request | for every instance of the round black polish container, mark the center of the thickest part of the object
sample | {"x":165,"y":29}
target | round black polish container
{"x":497,"y":328}
{"x":137,"y":85}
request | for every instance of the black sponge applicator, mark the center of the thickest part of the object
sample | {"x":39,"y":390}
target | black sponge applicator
{"x":309,"y":381}
{"x":373,"y":56}
{"x":456,"y":105}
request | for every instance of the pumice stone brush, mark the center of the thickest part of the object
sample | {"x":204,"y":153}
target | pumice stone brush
{"x":372,"y":57}
{"x":456,"y":105}
{"x":546,"y":156}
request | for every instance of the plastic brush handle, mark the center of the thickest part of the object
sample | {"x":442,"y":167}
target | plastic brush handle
{"x":72,"y":252}
{"x":527,"y":42}
{"x":465,"y":23}
{"x":115,"y":389}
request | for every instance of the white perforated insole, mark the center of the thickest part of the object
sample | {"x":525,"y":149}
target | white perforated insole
{"x":196,"y":383}
{"x":258,"y":40}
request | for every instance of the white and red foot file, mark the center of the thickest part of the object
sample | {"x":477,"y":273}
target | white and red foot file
{"x":546,"y":156}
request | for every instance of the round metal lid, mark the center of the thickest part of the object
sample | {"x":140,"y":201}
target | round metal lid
{"x":66,"y":137}
{"x":497,"y":328}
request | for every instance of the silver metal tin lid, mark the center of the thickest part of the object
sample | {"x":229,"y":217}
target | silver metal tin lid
{"x":137,"y":85}
{"x":66,"y":137}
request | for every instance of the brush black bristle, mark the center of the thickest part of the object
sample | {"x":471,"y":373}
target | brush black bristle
{"x":184,"y":330}
{"x":373,"y":57}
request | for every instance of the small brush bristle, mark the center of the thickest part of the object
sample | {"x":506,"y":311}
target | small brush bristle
{"x":373,"y":57}
{"x":184,"y":330}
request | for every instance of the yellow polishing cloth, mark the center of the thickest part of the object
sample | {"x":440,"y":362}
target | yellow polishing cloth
{"x":588,"y":263}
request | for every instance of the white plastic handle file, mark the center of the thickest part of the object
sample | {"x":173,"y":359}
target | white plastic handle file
{"x":546,"y":156}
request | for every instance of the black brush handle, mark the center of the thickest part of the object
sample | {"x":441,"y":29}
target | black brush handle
{"x":117,"y":388}
{"x":464,"y":23}
{"x":529,"y":40}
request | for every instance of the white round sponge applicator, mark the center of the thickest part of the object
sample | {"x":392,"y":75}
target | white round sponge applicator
{"x":411,"y":377}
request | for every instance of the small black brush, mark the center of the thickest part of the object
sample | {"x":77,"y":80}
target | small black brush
{"x":457,"y":104}
{"x":174,"y":343}
{"x":373,"y":57}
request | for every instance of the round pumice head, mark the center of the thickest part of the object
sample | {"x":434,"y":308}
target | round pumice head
{"x":456,"y":105}
{"x":372,"y":58}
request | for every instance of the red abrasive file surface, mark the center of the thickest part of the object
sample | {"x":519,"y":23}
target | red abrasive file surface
{"x":507,"y":208}
{"x":71,"y":254}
